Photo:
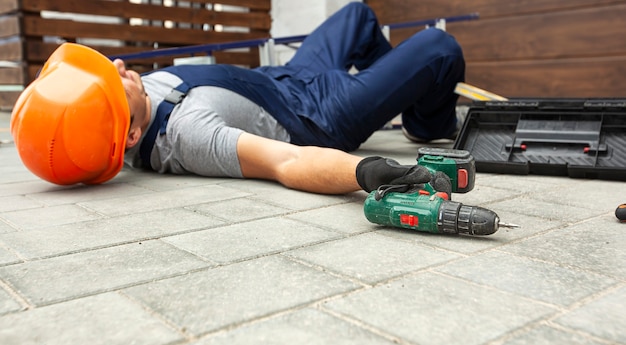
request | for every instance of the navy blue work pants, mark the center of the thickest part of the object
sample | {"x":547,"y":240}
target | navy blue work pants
{"x":339,"y":109}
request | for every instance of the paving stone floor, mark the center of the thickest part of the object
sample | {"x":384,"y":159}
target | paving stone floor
{"x":150,"y":259}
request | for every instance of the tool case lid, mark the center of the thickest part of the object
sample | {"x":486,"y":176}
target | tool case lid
{"x":583,"y":138}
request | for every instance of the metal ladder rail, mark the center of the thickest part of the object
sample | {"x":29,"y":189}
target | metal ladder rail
{"x":260,"y":42}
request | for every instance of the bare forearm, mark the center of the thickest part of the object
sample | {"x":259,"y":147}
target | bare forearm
{"x":312,"y":169}
{"x":321,"y":170}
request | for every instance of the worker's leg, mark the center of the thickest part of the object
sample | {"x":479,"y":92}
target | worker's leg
{"x":351,"y":36}
{"x":418,"y":78}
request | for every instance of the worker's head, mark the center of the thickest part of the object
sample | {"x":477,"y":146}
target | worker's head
{"x":73,"y":123}
{"x":138,"y":102}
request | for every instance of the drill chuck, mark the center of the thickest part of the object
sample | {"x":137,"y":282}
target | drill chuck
{"x":456,"y":218}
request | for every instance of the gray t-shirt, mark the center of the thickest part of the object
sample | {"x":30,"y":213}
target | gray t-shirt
{"x":203,"y":129}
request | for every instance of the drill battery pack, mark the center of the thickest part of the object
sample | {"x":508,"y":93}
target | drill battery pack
{"x":580,"y":138}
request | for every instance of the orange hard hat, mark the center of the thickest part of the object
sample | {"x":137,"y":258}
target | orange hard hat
{"x":70,"y":124}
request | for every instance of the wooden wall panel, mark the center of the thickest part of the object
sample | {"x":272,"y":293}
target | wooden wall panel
{"x":11,"y":51}
{"x":253,"y":20}
{"x":7,"y":99}
{"x":408,"y":10}
{"x":37,"y":26}
{"x":258,"y":5}
{"x":8,"y":6}
{"x":12,"y":75}
{"x":568,"y":78}
{"x":530,"y":48}
{"x":30,"y":30}
{"x":9,"y":26}
{"x":583,"y":32}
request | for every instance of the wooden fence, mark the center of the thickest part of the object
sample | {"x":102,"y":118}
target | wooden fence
{"x":533,"y":48}
{"x":30,"y":30}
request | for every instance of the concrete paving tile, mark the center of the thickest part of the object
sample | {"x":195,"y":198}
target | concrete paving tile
{"x":131,"y":176}
{"x":164,"y":182}
{"x":523,"y":183}
{"x":6,"y":139}
{"x":382,"y":257}
{"x":7,"y":304}
{"x":9,"y":155}
{"x":247,"y":240}
{"x":5,"y":120}
{"x":253,"y":186}
{"x":268,"y":294}
{"x":17,"y":174}
{"x":306,"y":326}
{"x":12,"y":170}
{"x":484,"y":194}
{"x":596,"y":245}
{"x":81,"y":193}
{"x":28,"y":187}
{"x":103,"y":319}
{"x":528,"y":225}
{"x":5,"y":228}
{"x":7,"y":257}
{"x":163,"y":200}
{"x":541,"y":281}
{"x":297,"y":200}
{"x":470,"y":244}
{"x":48,"y":216}
{"x":46,"y":242}
{"x":239,"y":210}
{"x":17,"y":202}
{"x":345,"y":218}
{"x":277,"y":195}
{"x":546,"y":335}
{"x":603,"y":317}
{"x":606,"y":195}
{"x":210,"y":300}
{"x":548,"y":210}
{"x":77,"y":275}
{"x":429,"y":308}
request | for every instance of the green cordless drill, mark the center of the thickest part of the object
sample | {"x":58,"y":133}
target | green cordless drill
{"x":426,"y":207}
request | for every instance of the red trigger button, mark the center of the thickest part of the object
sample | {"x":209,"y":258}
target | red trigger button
{"x":463,"y":178}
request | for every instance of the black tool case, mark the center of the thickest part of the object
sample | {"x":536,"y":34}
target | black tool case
{"x":583,"y":138}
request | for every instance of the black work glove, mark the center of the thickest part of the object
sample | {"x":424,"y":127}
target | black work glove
{"x":372,"y":172}
{"x":442,"y":183}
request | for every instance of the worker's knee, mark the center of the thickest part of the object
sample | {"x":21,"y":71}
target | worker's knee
{"x":357,"y":6}
{"x":441,"y":43}
{"x":441,"y":52}
{"x":358,"y":10}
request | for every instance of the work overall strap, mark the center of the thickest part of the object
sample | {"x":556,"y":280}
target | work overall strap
{"x":160,"y":121}
{"x":255,"y":86}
